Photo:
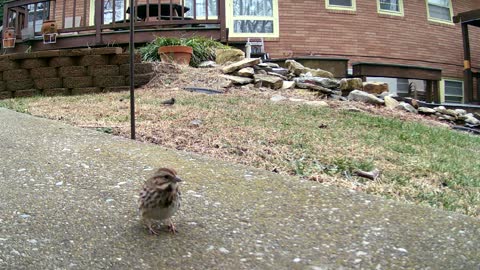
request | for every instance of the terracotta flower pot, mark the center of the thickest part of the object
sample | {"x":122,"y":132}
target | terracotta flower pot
{"x":176,"y":54}
{"x":49,"y":27}
{"x":9,"y":38}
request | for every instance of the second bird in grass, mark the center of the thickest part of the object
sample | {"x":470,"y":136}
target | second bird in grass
{"x":160,"y":199}
{"x":169,"y":101}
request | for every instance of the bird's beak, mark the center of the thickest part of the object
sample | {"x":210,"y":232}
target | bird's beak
{"x":178,"y":179}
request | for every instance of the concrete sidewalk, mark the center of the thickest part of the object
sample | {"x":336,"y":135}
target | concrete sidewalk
{"x":68,"y":201}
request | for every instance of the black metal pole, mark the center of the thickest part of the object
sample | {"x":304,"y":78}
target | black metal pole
{"x":467,"y":67}
{"x":132,"y":68}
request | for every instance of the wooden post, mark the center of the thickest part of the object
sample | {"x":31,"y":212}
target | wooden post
{"x":223,"y":23}
{"x":98,"y":21}
{"x":467,"y":67}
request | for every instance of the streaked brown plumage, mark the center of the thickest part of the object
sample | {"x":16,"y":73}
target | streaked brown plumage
{"x":160,"y":198}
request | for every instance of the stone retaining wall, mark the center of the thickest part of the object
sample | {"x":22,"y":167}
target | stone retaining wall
{"x":69,"y":72}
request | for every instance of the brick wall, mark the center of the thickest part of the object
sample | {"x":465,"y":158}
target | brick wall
{"x":65,"y":72}
{"x":308,"y":28}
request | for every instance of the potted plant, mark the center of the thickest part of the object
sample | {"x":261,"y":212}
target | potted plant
{"x":49,"y":31}
{"x":9,"y":38}
{"x":174,"y":50}
{"x":199,"y":49}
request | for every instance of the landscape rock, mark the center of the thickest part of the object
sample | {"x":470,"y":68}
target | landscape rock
{"x":440,"y":109}
{"x":406,"y":107}
{"x":470,"y":119}
{"x":226,"y":84}
{"x":208,"y":64}
{"x":318,"y":81}
{"x":312,"y":86}
{"x":298,"y":69}
{"x":460,"y":111}
{"x":375,"y":87}
{"x":451,"y":113}
{"x":277,"y":98}
{"x":446,"y":117}
{"x":426,"y":110}
{"x":357,"y":95}
{"x":277,"y":75}
{"x":238,"y":79}
{"x":476,"y":115}
{"x":281,"y":71}
{"x":269,"y":81}
{"x":246,"y":72}
{"x":317,"y":103}
{"x":269,"y":64}
{"x":196,"y":123}
{"x":288,"y":85}
{"x":248,"y":62}
{"x":390,"y":102}
{"x":337,"y":97}
{"x":223,"y":56}
{"x":261,"y":71}
{"x":350,"y":84}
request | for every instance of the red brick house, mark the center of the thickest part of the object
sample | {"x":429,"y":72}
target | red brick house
{"x":419,"y":33}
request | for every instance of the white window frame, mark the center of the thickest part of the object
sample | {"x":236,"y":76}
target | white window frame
{"x":433,"y":19}
{"x":353,"y":7}
{"x":391,"y":12}
{"x":443,"y":92}
{"x":231,"y":18}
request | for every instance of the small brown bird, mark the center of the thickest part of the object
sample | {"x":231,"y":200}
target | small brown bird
{"x":169,"y":101}
{"x":160,"y":199}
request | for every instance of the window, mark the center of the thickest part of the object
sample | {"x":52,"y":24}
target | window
{"x":108,"y":11}
{"x":453,"y":91}
{"x":340,"y":4}
{"x":201,"y":8}
{"x":439,"y":10}
{"x":391,"y":7}
{"x":39,"y":12}
{"x":253,"y":18}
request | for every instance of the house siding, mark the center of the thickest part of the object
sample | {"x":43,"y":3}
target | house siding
{"x":308,"y":28}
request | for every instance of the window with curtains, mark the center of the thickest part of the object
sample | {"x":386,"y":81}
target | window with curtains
{"x":440,"y":10}
{"x":394,"y":7}
{"x":340,"y":4}
{"x":200,"y":8}
{"x":254,"y":18}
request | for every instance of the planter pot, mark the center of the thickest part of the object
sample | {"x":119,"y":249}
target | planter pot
{"x":176,"y":54}
{"x":49,"y":32}
{"x":49,"y":27}
{"x":9,"y":38}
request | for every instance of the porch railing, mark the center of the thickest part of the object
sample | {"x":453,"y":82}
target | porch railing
{"x":100,"y":16}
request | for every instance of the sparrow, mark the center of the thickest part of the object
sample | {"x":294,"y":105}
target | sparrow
{"x":160,"y":199}
{"x":169,"y":101}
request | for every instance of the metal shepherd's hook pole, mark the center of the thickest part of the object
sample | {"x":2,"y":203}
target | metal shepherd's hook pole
{"x":132,"y":68}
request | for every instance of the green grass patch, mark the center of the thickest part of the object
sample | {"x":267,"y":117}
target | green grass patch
{"x":419,"y":163}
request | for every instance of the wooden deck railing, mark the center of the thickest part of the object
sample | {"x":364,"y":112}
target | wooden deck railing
{"x":105,"y":16}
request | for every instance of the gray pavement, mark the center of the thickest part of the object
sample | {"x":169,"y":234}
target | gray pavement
{"x":68,"y":201}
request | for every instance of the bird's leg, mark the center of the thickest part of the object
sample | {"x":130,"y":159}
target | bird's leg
{"x":171,"y":226}
{"x":150,"y":227}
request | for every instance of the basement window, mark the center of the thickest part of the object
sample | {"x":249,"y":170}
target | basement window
{"x":440,"y":11}
{"x":453,"y":91}
{"x":341,"y":4}
{"x":390,"y":7}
